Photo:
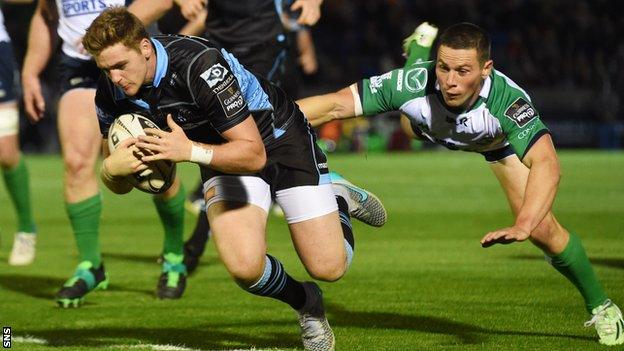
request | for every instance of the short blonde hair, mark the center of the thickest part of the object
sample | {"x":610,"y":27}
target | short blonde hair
{"x":114,"y":25}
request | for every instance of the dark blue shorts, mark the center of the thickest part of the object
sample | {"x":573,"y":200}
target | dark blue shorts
{"x":498,"y":154}
{"x":77,"y":73}
{"x":7,"y":72}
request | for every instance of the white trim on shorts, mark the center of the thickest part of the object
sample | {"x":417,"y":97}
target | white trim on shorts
{"x":247,"y":189}
{"x":299,"y":203}
{"x":9,"y":120}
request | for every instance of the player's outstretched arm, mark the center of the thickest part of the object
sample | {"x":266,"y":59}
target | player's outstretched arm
{"x":41,"y":42}
{"x":149,"y":11}
{"x":242,"y":153}
{"x":539,"y":195}
{"x":324,"y":108}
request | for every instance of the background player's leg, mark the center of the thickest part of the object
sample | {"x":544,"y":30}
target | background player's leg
{"x":170,"y":207}
{"x":565,"y":252}
{"x":15,"y":174}
{"x":81,"y":142}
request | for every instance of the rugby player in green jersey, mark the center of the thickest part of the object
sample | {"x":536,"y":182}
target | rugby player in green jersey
{"x":461,"y":102}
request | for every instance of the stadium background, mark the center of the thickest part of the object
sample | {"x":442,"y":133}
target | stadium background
{"x":568,"y":55}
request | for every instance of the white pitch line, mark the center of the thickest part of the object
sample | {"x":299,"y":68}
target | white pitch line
{"x":29,"y":340}
{"x":153,"y":347}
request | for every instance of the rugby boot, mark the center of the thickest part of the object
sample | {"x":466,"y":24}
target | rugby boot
{"x":363,"y":205}
{"x":86,"y":278}
{"x":316,"y":333}
{"x":607,"y":319}
{"x":23,"y":251}
{"x":172,"y":281}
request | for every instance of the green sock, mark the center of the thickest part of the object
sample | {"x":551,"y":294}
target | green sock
{"x":171,"y":212}
{"x":417,"y":53}
{"x":85,"y":221}
{"x":574,"y":265}
{"x":18,"y":186}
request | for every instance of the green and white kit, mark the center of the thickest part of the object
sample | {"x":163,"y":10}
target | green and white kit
{"x":503,"y":116}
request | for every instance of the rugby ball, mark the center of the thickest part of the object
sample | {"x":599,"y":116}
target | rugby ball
{"x":160,"y":174}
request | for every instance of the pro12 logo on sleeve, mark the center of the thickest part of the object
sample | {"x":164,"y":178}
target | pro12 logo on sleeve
{"x":214,"y":74}
{"x":231,"y":100}
{"x":521,"y":112}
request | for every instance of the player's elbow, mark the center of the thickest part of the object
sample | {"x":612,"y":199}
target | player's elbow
{"x":258,"y":161}
{"x":343,"y":104}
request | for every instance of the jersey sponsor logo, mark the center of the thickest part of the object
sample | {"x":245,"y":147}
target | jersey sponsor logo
{"x":82,"y":7}
{"x":221,"y":86}
{"x":416,"y":79}
{"x":400,"y":80}
{"x":231,"y":100}
{"x":526,"y":132}
{"x":376,"y":82}
{"x":460,"y":120}
{"x":214,"y":74}
{"x":521,"y":112}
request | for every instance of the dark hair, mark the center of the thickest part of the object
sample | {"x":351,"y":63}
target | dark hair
{"x":112,"y":26}
{"x":467,"y":36}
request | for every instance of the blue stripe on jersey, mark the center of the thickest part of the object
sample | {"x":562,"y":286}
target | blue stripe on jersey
{"x":162,"y":61}
{"x":278,"y":132}
{"x":256,"y":98}
{"x":324,"y":179}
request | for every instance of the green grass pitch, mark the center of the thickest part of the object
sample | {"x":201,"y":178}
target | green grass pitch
{"x":420,"y":283}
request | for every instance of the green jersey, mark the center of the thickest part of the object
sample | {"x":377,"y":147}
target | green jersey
{"x":503,"y":115}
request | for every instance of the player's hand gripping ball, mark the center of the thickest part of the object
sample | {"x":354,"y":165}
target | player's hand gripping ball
{"x":159,"y":175}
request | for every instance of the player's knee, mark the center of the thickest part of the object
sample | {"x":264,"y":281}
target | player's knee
{"x":8,"y":159}
{"x":78,"y":166}
{"x":328,"y":271}
{"x":246,"y":271}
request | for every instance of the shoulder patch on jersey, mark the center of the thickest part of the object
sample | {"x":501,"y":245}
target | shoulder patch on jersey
{"x":416,"y":79}
{"x":521,"y":112}
{"x":214,"y":74}
{"x":231,"y":100}
{"x":377,"y":81}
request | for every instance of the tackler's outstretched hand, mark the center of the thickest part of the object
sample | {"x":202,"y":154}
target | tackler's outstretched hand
{"x":504,"y":236}
{"x":173,"y":146}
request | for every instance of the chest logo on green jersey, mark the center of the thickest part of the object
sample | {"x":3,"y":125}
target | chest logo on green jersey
{"x":521,"y":112}
{"x":416,"y":79}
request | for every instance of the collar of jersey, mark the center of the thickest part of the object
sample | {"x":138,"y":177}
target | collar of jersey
{"x":162,"y":61}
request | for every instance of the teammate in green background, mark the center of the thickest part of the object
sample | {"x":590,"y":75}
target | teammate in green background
{"x":461,"y":102}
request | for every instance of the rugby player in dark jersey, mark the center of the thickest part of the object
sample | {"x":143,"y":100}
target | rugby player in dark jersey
{"x":251,"y":143}
{"x":253,"y":32}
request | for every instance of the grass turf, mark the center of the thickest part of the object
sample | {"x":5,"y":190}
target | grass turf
{"x":420,"y":283}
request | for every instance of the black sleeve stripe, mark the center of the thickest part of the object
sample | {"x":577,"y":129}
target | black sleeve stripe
{"x":360,"y":88}
{"x":534,"y":140}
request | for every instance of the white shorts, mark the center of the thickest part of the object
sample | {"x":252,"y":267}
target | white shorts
{"x":298,"y":203}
